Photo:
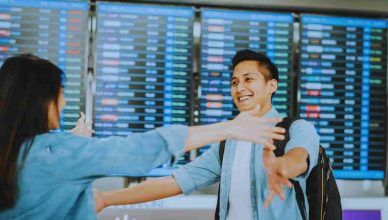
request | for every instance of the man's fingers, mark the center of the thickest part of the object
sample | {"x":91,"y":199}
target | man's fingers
{"x":268,"y":200}
{"x":287,"y":183}
{"x":277,"y":188}
{"x":280,"y":192}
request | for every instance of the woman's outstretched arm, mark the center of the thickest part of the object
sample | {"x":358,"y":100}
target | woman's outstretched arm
{"x":246,"y":126}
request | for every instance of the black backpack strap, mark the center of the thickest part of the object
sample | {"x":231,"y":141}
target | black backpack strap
{"x":221,"y":155}
{"x":221,"y":151}
{"x":281,"y":145}
{"x":300,"y":199}
{"x":280,"y":148}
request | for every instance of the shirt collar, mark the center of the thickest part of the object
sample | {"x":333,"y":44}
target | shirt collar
{"x":271,"y":113}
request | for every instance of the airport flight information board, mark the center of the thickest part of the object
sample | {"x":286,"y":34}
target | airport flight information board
{"x":226,"y":31}
{"x":143,"y":67}
{"x":54,"y":30}
{"x":343,"y":91}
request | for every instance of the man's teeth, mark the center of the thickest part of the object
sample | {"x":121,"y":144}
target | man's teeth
{"x":243,"y":98}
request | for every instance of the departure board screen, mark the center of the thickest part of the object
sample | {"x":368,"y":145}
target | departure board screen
{"x":343,"y":91}
{"x":54,"y":30}
{"x":224,"y":32}
{"x":143,"y":66}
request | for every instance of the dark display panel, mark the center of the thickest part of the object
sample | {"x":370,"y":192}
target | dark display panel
{"x":343,"y":91}
{"x":54,"y":30}
{"x":143,"y":67}
{"x":226,"y":31}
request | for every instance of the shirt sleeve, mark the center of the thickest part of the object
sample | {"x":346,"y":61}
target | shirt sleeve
{"x":201,"y":172}
{"x":303,"y":135}
{"x":88,"y":158}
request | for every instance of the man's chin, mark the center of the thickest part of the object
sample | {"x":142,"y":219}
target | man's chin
{"x":245,"y":108}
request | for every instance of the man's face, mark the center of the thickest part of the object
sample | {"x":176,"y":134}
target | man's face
{"x":249,"y":87}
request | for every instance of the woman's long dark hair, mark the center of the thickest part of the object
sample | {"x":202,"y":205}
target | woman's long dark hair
{"x":28,"y":84}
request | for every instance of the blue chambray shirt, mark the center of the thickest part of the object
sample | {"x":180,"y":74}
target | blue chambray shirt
{"x":56,"y":179}
{"x":206,"y":170}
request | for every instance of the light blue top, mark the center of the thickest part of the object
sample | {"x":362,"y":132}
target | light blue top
{"x":206,"y":170}
{"x":56,"y":179}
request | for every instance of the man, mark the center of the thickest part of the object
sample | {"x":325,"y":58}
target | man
{"x":251,"y":176}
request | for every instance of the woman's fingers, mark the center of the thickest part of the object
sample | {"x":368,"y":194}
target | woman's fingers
{"x":271,"y":120}
{"x":82,"y":118}
{"x":269,"y":146}
{"x":277,"y":136}
{"x":83,"y":128}
{"x":278,"y":130}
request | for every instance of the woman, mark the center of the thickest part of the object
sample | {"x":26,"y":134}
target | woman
{"x":48,"y":175}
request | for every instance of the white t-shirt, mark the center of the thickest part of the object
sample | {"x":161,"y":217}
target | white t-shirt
{"x":240,"y":205}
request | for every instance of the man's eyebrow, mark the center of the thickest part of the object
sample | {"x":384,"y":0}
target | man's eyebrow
{"x":246,"y":74}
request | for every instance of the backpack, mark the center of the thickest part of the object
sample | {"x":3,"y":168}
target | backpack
{"x":321,"y":189}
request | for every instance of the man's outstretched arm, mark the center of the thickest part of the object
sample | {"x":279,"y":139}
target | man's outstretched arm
{"x":149,"y":190}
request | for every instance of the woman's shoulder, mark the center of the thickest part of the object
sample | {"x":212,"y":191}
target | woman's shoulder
{"x":58,"y":138}
{"x":54,"y":135}
{"x":58,"y":144}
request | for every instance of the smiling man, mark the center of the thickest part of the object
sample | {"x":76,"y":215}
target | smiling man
{"x":250,"y":175}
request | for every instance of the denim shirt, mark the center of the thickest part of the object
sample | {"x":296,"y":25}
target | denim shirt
{"x":55,"y":181}
{"x":206,"y":170}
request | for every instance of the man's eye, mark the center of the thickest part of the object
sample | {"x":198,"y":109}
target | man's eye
{"x":234,"y":83}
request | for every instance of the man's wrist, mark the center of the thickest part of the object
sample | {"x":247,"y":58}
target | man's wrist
{"x":105,"y":196}
{"x":282,"y":166}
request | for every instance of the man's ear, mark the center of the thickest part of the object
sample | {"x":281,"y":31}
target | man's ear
{"x":273,"y":86}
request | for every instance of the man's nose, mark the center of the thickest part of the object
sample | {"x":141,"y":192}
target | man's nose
{"x":240,"y":87}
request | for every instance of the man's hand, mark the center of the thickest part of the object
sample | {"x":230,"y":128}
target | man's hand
{"x":276,"y":175}
{"x":99,"y":201}
{"x":83,"y":128}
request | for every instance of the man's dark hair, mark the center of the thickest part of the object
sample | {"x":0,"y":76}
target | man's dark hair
{"x":260,"y":58}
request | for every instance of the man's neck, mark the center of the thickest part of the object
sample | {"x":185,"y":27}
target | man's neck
{"x":264,"y":110}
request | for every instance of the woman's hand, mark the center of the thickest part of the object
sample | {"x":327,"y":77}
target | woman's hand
{"x":249,"y":127}
{"x":83,"y":128}
{"x":99,"y":201}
